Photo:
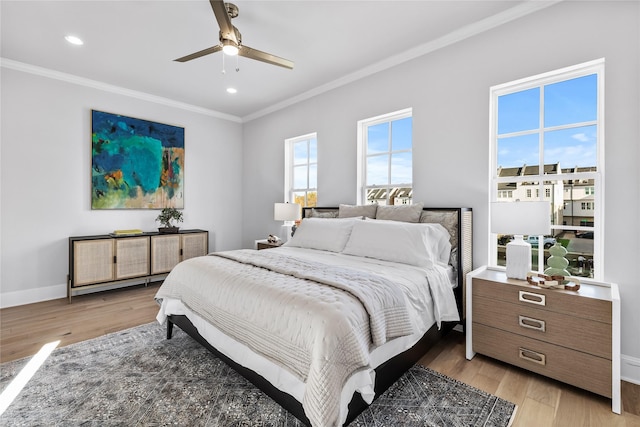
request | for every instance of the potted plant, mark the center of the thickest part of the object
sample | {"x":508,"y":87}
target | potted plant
{"x":167,"y":217}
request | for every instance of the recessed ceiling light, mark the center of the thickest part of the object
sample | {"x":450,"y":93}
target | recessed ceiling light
{"x":74,"y":40}
{"x":232,"y":90}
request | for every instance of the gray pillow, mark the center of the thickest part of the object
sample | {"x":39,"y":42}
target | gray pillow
{"x":449,"y":219}
{"x":320,"y":214}
{"x":404,"y":213}
{"x":349,"y":211}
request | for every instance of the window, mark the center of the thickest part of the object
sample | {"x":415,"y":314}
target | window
{"x":547,"y":135}
{"x":385,"y":161}
{"x":301,"y":177}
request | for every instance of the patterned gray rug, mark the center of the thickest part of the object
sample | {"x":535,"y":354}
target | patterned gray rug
{"x":137,"y":377}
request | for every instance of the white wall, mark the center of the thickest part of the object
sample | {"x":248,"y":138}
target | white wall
{"x":46,"y":170}
{"x":449,"y":92}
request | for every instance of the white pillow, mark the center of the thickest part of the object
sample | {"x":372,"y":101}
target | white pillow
{"x":418,"y":244}
{"x":327,"y":234}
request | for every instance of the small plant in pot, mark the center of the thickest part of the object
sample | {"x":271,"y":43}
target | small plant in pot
{"x":167,"y":218}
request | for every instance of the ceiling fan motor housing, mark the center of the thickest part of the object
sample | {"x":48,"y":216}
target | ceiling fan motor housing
{"x":232,"y":10}
{"x":224,"y":39}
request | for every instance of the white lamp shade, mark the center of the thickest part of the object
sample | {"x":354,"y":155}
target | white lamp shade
{"x":286,"y":211}
{"x":521,"y":218}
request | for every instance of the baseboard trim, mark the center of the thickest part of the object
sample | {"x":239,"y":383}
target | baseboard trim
{"x":630,"y":369}
{"x":30,"y":296}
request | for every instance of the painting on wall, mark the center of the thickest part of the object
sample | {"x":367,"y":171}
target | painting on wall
{"x":135,"y":164}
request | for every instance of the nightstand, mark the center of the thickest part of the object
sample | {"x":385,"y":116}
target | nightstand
{"x":560,"y":334}
{"x":264,"y":244}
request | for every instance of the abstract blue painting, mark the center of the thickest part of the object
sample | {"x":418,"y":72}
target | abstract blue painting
{"x":135,"y":163}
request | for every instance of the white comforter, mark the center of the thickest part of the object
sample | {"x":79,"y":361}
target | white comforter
{"x":322,"y":334}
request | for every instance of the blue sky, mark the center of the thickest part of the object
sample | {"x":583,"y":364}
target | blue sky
{"x":305,"y":152}
{"x":570,"y":102}
{"x":401,"y":163}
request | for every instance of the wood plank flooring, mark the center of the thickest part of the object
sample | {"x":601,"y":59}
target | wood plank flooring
{"x":541,"y":401}
{"x":25,"y":329}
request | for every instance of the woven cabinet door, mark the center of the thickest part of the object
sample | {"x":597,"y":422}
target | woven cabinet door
{"x":194,"y":245}
{"x":92,"y":261}
{"x":165,"y":253}
{"x":132,"y":257}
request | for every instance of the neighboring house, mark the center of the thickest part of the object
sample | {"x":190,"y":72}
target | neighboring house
{"x":572,"y":199}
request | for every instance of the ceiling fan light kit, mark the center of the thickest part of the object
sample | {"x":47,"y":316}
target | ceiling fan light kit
{"x":229,"y":48}
{"x":231,"y":39}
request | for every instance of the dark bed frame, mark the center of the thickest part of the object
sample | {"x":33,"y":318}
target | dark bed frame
{"x":388,"y":372}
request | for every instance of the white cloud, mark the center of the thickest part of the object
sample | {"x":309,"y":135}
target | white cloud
{"x":582,"y":137}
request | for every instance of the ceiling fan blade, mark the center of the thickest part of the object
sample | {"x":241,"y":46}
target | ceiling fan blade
{"x":259,"y":55}
{"x":203,"y":52}
{"x":224,"y":21}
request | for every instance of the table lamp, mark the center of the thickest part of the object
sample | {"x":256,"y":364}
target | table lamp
{"x":520,"y":218}
{"x":287,"y":212}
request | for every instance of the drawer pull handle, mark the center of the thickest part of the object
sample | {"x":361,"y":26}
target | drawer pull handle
{"x":532,"y":356}
{"x":528,"y":322}
{"x":531,"y":298}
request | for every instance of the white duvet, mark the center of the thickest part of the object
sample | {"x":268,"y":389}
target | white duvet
{"x":313,"y":327}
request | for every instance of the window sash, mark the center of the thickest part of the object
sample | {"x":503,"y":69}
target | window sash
{"x":363,"y":186}
{"x":597,"y":177}
{"x":296,"y":190}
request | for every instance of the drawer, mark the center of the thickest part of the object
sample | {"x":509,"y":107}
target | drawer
{"x":575,"y":333}
{"x":572,"y":367}
{"x":567,"y":302}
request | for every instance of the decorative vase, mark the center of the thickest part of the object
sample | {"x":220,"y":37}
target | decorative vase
{"x":168,"y":230}
{"x":557,"y":262}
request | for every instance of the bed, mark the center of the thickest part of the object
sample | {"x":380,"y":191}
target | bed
{"x":328,"y":321}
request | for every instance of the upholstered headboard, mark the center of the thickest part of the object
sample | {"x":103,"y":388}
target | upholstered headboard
{"x":457,"y":221}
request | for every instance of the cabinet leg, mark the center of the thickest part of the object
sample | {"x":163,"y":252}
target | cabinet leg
{"x":169,"y":328}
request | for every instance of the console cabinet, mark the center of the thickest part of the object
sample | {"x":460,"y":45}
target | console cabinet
{"x":103,"y":261}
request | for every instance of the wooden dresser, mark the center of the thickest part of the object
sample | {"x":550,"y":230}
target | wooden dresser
{"x":107,"y":261}
{"x":557,"y":333}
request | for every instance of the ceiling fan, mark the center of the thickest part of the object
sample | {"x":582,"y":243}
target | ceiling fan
{"x":231,"y":39}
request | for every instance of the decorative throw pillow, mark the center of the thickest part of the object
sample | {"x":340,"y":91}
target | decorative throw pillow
{"x":350,"y":211}
{"x":319,"y":214}
{"x":449,"y":219}
{"x":327,"y":234}
{"x":404,"y":213}
{"x":416,"y":244}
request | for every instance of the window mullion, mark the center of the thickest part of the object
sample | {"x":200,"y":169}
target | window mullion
{"x":389,"y":146}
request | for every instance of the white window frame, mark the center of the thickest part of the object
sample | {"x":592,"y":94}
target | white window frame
{"x":289,"y":190}
{"x":362,"y":135}
{"x":568,"y":73}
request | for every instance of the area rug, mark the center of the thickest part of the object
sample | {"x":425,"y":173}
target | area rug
{"x":138,"y":377}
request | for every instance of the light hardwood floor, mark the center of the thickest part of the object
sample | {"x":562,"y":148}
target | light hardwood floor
{"x":541,"y":402}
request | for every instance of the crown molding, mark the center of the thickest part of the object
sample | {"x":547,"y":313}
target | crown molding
{"x":463,"y":33}
{"x":81,"y":81}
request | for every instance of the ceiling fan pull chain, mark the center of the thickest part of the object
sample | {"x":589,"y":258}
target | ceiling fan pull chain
{"x":237,"y":63}
{"x":223,"y":70}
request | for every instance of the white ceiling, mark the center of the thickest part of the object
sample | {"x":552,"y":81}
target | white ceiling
{"x":132,"y":44}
